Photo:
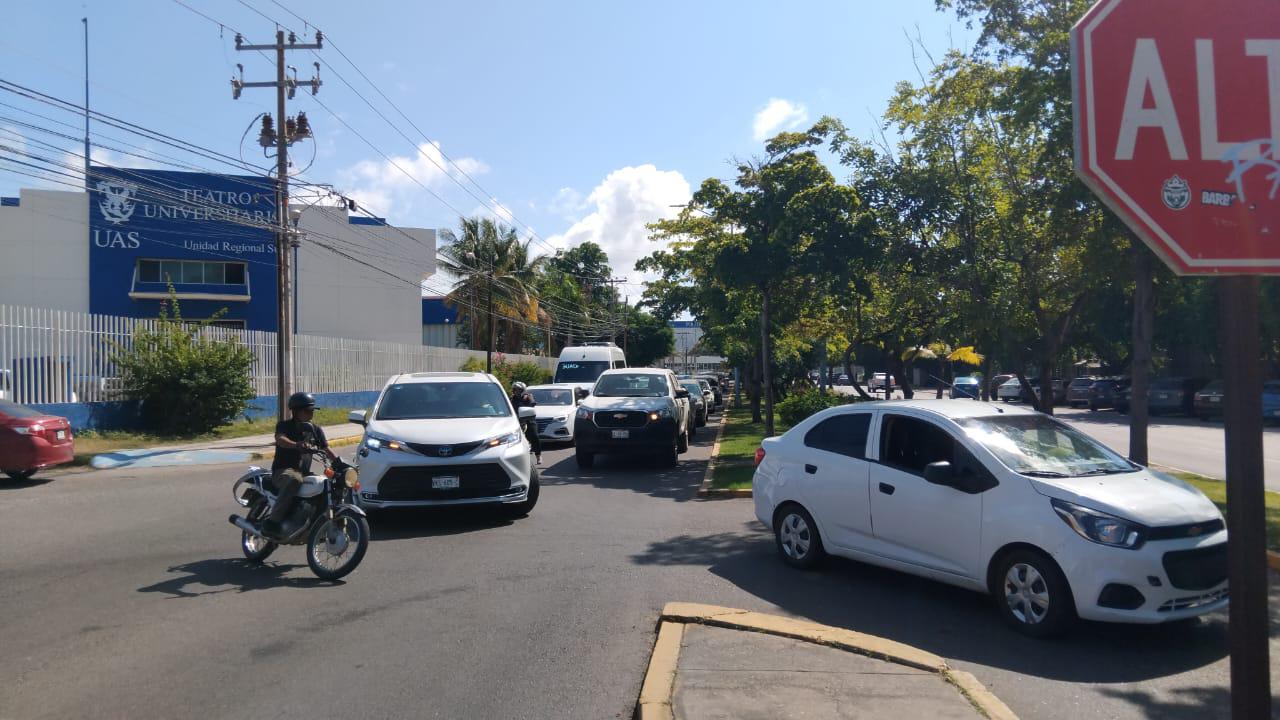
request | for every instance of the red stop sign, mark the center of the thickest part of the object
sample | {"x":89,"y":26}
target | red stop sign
{"x":1177,"y":124}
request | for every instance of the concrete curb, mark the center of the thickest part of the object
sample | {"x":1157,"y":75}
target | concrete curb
{"x":705,"y":490}
{"x":659,"y":683}
{"x":340,"y":442}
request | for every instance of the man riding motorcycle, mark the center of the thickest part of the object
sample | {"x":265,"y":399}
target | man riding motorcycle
{"x":519,"y":399}
{"x":296,"y":439}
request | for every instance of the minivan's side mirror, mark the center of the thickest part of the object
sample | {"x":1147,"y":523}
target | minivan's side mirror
{"x":940,"y":473}
{"x":682,"y":393}
{"x":526,"y":413}
{"x":358,"y":417}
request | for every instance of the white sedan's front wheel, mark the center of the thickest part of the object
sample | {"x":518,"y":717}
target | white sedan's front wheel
{"x":1033,"y":595}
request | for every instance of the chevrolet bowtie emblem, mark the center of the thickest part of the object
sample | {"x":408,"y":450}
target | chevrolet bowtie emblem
{"x":619,"y":416}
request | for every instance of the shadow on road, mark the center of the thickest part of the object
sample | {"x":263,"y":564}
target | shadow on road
{"x":638,"y":473}
{"x":951,"y":622}
{"x":35,"y":481}
{"x":210,"y":577}
{"x":405,"y":523}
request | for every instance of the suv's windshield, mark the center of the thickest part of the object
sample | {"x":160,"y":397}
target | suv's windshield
{"x":626,"y":385}
{"x":1038,"y":445}
{"x":552,"y":396}
{"x":581,"y":371}
{"x":421,"y":401}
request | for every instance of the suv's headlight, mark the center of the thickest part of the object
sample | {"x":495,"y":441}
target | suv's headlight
{"x":510,"y":438}
{"x":584,"y":414}
{"x":1099,"y":527}
{"x":378,"y":443}
{"x":662,"y":413}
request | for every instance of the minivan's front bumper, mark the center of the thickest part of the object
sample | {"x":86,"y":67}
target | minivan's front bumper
{"x":395,"y":479}
{"x":1196,"y":564}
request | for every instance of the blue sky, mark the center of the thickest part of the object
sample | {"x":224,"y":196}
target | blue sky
{"x":584,"y":119}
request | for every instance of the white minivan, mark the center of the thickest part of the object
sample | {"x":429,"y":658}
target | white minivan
{"x":581,"y":365}
{"x":998,"y":499}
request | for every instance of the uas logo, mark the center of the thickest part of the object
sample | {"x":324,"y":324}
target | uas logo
{"x":117,"y":200}
{"x":1176,"y":193}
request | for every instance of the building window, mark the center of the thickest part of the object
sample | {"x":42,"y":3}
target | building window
{"x":191,"y":272}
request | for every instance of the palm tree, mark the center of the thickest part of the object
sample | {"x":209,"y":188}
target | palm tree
{"x":488,"y":257}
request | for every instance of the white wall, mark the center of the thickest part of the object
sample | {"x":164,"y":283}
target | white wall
{"x":44,"y":251}
{"x":445,"y":335}
{"x":340,"y":297}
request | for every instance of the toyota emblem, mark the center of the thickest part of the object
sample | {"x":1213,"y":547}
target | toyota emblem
{"x":446,"y":451}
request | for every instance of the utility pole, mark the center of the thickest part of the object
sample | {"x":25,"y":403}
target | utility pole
{"x":290,"y":131}
{"x":493,"y":329}
{"x":626,"y":322}
{"x":611,"y":282}
{"x":85,"y":20}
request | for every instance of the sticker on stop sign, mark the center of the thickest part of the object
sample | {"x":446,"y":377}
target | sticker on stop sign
{"x":1177,"y":122}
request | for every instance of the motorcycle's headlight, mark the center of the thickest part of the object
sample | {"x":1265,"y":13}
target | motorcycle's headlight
{"x":510,"y":438}
{"x":377,"y":443}
{"x":351,"y":479}
{"x":1100,"y":527}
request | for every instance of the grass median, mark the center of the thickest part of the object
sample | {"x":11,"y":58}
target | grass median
{"x":1216,"y":490}
{"x":734,"y":463}
{"x":94,"y":442}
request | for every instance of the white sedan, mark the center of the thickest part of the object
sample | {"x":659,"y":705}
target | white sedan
{"x":555,"y":406}
{"x":998,"y":499}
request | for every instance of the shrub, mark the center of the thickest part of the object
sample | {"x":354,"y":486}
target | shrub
{"x":799,"y":406}
{"x":185,"y":382}
{"x":529,"y":373}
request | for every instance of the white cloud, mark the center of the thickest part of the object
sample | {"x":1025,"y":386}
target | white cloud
{"x":776,"y":115}
{"x":621,"y":205}
{"x":389,"y":187}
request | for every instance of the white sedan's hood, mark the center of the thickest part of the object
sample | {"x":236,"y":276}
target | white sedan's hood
{"x":1153,"y":499}
{"x":553,"y":411}
{"x":445,"y":431}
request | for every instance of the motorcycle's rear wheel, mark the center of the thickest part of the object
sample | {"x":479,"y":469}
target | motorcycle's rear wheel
{"x":336,"y":546}
{"x":255,"y":548}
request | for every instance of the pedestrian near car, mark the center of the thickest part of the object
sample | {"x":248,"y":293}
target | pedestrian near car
{"x":519,"y":399}
{"x":296,"y":439}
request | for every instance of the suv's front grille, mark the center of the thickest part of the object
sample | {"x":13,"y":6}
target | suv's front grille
{"x":621,"y":418}
{"x":414,"y":483}
{"x":1198,"y":569}
{"x":445,"y":450}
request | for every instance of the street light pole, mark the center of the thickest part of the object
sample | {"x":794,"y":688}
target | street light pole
{"x":493,"y":331}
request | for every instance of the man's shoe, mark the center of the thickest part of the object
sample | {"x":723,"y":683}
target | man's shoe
{"x":539,"y":459}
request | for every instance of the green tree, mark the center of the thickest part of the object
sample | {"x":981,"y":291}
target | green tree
{"x":487,"y":258}
{"x":186,"y":380}
{"x":648,"y":338}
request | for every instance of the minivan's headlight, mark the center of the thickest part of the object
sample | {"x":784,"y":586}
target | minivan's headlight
{"x":377,"y":443}
{"x":1099,"y":527}
{"x":510,"y":438}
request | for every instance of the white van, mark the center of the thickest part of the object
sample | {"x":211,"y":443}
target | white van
{"x":581,"y":365}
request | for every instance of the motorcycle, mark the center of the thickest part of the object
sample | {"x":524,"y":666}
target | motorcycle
{"x":324,"y":517}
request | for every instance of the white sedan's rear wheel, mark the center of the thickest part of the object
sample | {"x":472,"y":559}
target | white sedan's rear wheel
{"x":797,"y":537}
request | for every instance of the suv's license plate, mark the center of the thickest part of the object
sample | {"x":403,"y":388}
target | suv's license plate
{"x":445,"y":482}
{"x":621,"y":434}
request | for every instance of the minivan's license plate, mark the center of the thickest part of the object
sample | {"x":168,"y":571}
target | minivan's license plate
{"x":621,"y":434}
{"x":445,"y":482}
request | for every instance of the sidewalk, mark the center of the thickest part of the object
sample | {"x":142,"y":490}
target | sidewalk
{"x":711,"y":663}
{"x":214,"y":452}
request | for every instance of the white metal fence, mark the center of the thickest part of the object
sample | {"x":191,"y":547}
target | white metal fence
{"x":57,"y":356}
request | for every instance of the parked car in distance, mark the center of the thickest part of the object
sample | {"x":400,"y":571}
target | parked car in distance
{"x":880,"y":381}
{"x":634,"y":411}
{"x":1271,"y":401}
{"x":556,"y":407}
{"x":445,"y":438}
{"x":843,"y":379}
{"x":966,"y":387}
{"x":1102,"y":393}
{"x":698,"y":407}
{"x":1078,"y":391}
{"x":709,"y":394}
{"x":31,"y":440}
{"x":1010,"y":390}
{"x":1174,"y":395}
{"x":1208,"y":401}
{"x":1001,"y":500}
{"x":717,"y":390}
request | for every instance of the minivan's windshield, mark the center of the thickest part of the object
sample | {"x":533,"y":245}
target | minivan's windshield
{"x":580,"y":371}
{"x":421,"y":401}
{"x":626,"y":385}
{"x":1040,"y":446}
{"x":552,"y":396}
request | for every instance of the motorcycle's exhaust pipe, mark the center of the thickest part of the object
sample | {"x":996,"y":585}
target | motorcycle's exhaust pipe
{"x":244,"y":525}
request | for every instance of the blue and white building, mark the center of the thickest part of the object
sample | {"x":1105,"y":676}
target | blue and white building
{"x":116,"y":249}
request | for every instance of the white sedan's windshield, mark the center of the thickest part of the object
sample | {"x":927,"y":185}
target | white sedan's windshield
{"x":1038,"y":445}
{"x":552,"y":396}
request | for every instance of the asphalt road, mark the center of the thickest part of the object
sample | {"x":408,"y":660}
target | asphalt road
{"x":124,"y":596}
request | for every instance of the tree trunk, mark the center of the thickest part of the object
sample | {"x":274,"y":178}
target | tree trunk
{"x":1046,"y":388}
{"x":765,"y":364}
{"x":755,"y":391}
{"x":898,"y":369}
{"x":986,"y":378}
{"x":1143,"y":322}
{"x":853,"y":380}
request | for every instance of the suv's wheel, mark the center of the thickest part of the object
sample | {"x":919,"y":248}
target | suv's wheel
{"x":797,"y":537}
{"x":584,"y":458}
{"x":1032,"y":594}
{"x":671,"y":457}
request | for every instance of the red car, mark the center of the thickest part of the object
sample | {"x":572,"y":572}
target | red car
{"x":31,"y":440}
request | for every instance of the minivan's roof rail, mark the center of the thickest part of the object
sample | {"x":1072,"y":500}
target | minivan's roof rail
{"x":599,"y":344}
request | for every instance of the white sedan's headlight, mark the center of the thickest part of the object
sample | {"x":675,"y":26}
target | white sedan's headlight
{"x":1100,"y":527}
{"x":560,"y":418}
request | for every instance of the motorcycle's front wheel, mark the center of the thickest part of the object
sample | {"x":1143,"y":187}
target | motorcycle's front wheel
{"x":337,"y":545}
{"x":256,"y":548}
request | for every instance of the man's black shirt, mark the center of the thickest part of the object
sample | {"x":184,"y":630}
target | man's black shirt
{"x":292,"y":458}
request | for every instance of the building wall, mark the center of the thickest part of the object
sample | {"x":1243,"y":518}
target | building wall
{"x":439,"y":323}
{"x":44,"y":259}
{"x":340,"y":297}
